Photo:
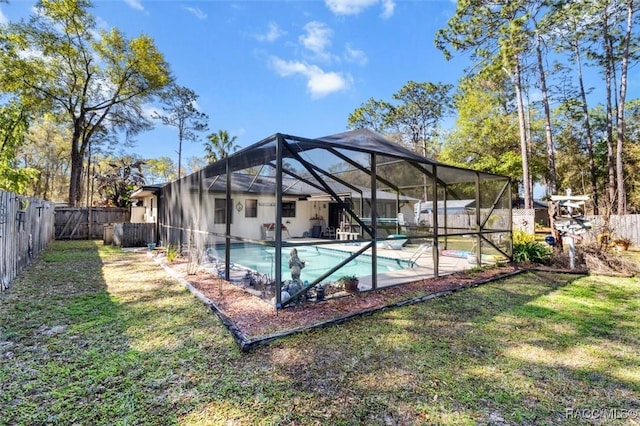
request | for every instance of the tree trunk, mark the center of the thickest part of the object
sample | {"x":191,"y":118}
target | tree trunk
{"x":75,"y":178}
{"x":77,"y":163}
{"x":622,"y":193}
{"x":552,"y":185}
{"x":47,"y":184}
{"x":608,"y":73}
{"x":526,"y":177}
{"x":180,"y":159}
{"x":587,"y":129}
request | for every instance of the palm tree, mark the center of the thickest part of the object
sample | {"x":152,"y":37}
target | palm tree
{"x":219,"y":146}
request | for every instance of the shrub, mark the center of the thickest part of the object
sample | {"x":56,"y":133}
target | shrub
{"x":172,"y":252}
{"x":519,"y":236}
{"x":531,"y":251}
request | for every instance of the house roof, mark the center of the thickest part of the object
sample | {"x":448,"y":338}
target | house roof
{"x":147,"y":190}
{"x":537,"y":204}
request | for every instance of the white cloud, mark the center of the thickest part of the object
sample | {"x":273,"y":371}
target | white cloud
{"x":317,"y":38}
{"x":272,"y":34}
{"x":135,"y":4}
{"x":319,"y":82}
{"x":150,"y":110}
{"x":322,"y":83}
{"x":3,"y":18}
{"x":196,"y":12}
{"x":354,"y":7}
{"x":388,"y":7}
{"x":355,"y":55}
{"x":102,"y":24}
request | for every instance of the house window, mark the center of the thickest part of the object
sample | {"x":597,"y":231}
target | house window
{"x":250,"y":208}
{"x":220,"y":214}
{"x":288,"y":209}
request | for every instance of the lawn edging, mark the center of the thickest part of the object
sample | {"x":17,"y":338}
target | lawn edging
{"x":246,"y":344}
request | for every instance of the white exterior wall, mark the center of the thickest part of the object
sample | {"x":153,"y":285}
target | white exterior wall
{"x":150,"y":204}
{"x":251,"y":227}
{"x":137,"y":215}
{"x":148,"y":212}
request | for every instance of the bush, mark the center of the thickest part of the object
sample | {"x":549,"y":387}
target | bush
{"x":519,"y":236}
{"x":172,"y":252}
{"x":531,"y":251}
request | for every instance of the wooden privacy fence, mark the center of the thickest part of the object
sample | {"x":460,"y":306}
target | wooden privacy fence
{"x":26,"y":227}
{"x":621,"y":226}
{"x":84,"y":223}
{"x":134,"y":234}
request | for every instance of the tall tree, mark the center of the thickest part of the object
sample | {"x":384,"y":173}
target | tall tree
{"x":181,"y":112}
{"x":605,"y":32}
{"x":46,"y":150}
{"x":91,"y":77}
{"x":632,"y":154}
{"x":412,"y":119}
{"x":625,"y":57}
{"x":420,"y":108}
{"x":159,"y":170}
{"x":117,"y":180}
{"x":540,"y":47}
{"x":573,"y":151}
{"x":608,"y":63}
{"x":13,"y":126}
{"x":373,"y":114}
{"x":195,"y":163}
{"x":570,"y":35}
{"x":496,"y":30}
{"x":219,"y":146}
{"x":486,"y":130}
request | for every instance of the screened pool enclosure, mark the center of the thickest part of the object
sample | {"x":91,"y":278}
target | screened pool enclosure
{"x":350,"y":204}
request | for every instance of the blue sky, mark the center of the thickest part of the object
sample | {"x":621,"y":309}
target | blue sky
{"x":296,"y":67}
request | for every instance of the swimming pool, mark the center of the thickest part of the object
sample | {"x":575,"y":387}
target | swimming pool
{"x":318,"y":261}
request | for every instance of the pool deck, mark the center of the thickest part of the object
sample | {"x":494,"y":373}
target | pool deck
{"x":423,"y":269}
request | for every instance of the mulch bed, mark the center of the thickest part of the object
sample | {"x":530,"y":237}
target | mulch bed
{"x":254,"y":321}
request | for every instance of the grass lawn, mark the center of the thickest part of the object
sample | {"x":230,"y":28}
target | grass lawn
{"x":90,"y":335}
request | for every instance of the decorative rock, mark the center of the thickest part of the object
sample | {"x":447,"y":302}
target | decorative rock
{"x":283,"y":296}
{"x":292,"y":286}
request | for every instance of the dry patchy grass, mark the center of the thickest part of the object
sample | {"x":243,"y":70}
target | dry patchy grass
{"x":91,"y":335}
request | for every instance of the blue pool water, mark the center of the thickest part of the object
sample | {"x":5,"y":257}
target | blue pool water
{"x":318,"y":261}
